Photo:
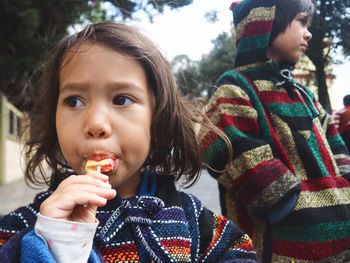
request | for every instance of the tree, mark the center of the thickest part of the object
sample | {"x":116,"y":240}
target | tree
{"x":29,"y":29}
{"x":196,"y":79}
{"x":187,"y":76}
{"x":220,"y":59}
{"x":127,"y":8}
{"x":331,"y":25}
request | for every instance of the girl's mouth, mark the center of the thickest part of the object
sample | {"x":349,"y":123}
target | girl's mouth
{"x":304,"y":47}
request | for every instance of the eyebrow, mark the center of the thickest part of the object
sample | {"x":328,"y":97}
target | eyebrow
{"x":111,"y":86}
{"x":125,"y":86}
{"x":72,"y":86}
{"x":305,"y":15}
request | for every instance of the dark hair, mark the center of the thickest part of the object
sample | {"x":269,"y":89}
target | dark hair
{"x":285,"y":12}
{"x":346,"y":100}
{"x":175,"y":148}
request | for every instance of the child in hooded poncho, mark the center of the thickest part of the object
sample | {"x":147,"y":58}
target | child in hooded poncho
{"x":288,"y":183}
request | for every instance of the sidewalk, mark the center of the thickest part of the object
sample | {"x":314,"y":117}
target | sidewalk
{"x":206,"y":190}
{"x":17,"y":194}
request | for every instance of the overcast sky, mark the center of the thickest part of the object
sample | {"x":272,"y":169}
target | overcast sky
{"x":186,"y":31}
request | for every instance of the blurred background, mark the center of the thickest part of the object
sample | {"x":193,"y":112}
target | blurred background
{"x":195,"y":35}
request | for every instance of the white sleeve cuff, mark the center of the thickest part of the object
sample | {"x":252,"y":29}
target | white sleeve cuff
{"x":68,"y":241}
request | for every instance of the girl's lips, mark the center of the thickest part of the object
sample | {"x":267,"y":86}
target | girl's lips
{"x":98,"y":158}
{"x":304,"y":47}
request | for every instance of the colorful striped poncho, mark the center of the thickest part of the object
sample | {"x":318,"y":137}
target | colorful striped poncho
{"x":169,"y":226}
{"x":288,"y":183}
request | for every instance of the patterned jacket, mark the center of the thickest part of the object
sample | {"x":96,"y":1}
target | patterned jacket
{"x":169,"y":226}
{"x":288,"y":184}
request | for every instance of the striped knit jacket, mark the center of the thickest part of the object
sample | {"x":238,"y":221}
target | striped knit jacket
{"x":170,"y":226}
{"x":288,"y":183}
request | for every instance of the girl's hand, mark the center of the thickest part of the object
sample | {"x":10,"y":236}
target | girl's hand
{"x":77,"y":198}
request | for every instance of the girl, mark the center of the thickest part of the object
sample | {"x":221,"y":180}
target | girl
{"x":109,"y":95}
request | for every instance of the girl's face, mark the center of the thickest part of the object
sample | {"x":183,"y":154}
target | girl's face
{"x":104,"y":109}
{"x":289,"y":45}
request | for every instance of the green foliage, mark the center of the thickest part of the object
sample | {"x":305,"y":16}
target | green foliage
{"x":126,"y":8}
{"x":187,"y":76}
{"x":219,"y":60}
{"x":212,"y":16}
{"x":30,"y":28}
{"x":333,"y":20}
{"x":97,"y":13}
{"x":331,"y":25}
{"x":197,"y":79}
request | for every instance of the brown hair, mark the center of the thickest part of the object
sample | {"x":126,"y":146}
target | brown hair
{"x":175,"y":149}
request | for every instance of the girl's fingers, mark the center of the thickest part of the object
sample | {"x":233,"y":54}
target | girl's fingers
{"x":97,"y":198}
{"x":77,"y":191}
{"x":91,"y":189}
{"x":80,"y":194}
{"x":61,"y":205}
{"x":98,"y":175}
{"x":91,"y":179}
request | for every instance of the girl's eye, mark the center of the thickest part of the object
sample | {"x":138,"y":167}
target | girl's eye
{"x":121,"y":100}
{"x":305,"y":22}
{"x":73,"y":102}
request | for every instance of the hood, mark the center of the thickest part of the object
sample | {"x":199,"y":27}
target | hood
{"x":253,"y":21}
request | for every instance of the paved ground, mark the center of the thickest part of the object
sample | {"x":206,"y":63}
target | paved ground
{"x":15,"y":194}
{"x":206,"y":190}
{"x":18,"y":193}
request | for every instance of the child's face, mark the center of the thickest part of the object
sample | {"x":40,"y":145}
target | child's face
{"x":289,"y":45}
{"x":104,"y":109}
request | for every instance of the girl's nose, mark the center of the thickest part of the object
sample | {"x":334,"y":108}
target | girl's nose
{"x":97,"y":125}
